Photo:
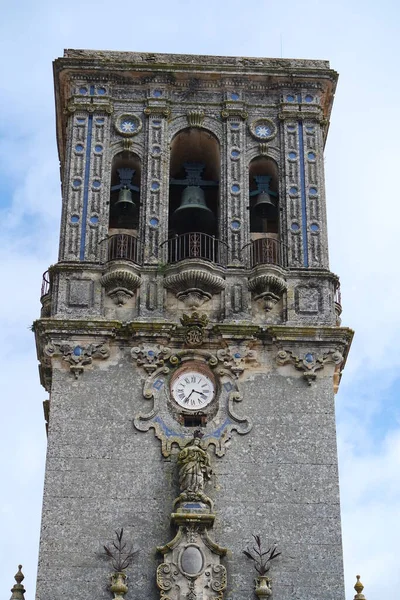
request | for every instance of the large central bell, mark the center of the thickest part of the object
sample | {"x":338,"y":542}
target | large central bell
{"x":265,"y":207}
{"x":193,"y":214}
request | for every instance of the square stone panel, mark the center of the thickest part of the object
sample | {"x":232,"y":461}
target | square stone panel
{"x":308,"y":300}
{"x":80,"y":292}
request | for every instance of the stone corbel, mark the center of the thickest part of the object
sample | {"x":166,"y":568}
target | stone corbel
{"x":195,"y":118}
{"x":309,"y":362}
{"x":78,"y":356}
{"x":120,"y":284}
{"x":236,"y":358}
{"x":268,"y":288}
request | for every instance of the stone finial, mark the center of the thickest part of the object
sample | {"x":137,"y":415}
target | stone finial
{"x":18,"y":590}
{"x":359,"y":588}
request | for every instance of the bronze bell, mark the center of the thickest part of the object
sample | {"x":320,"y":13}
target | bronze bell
{"x":125,"y":204}
{"x":265,"y":207}
{"x":193,"y":214}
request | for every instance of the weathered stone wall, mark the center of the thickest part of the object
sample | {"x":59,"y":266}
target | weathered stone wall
{"x":278,"y":480}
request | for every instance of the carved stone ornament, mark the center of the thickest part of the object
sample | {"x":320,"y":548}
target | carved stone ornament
{"x":77,"y":355}
{"x":128,"y":125}
{"x":157,"y":111}
{"x":194,"y":286}
{"x":263,"y":130}
{"x":195,"y":118}
{"x":89,"y":106}
{"x":194,"y":328}
{"x":268,"y":288}
{"x":263,"y":586}
{"x":235,"y":358}
{"x":234,"y":111}
{"x":120,"y":284}
{"x":118,"y":585}
{"x":309,"y":362}
{"x":159,"y":363}
{"x":191,"y":566}
{"x":150,"y":357}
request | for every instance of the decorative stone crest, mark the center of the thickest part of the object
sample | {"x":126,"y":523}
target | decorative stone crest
{"x":194,"y":325}
{"x":309,"y":362}
{"x":78,"y":356}
{"x":235,"y":358}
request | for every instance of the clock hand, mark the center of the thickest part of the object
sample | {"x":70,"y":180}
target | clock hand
{"x":187,"y":398}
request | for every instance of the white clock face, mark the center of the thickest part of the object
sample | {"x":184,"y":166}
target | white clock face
{"x":193,"y":390}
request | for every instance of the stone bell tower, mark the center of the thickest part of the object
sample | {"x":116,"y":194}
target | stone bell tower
{"x":190,"y":336}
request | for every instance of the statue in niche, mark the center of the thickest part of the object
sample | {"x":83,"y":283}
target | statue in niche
{"x":194,"y":467}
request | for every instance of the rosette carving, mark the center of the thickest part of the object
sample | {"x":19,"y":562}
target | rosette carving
{"x":267,"y":287}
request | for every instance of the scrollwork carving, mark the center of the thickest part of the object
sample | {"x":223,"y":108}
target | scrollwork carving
{"x":78,"y":356}
{"x":309,"y":362}
{"x":150,"y":357}
{"x":235,"y":358}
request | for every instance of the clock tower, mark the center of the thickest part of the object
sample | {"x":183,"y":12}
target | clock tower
{"x":190,"y":336}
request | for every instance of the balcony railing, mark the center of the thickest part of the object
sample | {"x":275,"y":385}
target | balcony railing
{"x":264,"y":251}
{"x":196,"y":245}
{"x":45,"y":284}
{"x":123,"y":246}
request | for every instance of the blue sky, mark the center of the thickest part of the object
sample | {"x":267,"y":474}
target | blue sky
{"x":361,"y":40}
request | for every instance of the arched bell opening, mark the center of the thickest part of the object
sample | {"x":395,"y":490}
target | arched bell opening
{"x":124,"y":208}
{"x":194,"y":183}
{"x":264,"y":211}
{"x":124,"y":193}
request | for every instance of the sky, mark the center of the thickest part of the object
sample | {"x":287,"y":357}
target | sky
{"x":361,"y":41}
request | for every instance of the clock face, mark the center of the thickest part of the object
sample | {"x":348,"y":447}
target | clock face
{"x":192,"y":390}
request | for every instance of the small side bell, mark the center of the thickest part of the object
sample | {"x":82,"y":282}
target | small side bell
{"x":193,"y":213}
{"x":265,"y":207}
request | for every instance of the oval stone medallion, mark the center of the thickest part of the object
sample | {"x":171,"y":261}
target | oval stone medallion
{"x":191,"y":560}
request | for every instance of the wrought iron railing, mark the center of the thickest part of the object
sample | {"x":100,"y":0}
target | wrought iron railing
{"x":196,"y":245}
{"x":45,"y":284}
{"x":264,"y":251}
{"x":123,"y":246}
{"x":338,"y":295}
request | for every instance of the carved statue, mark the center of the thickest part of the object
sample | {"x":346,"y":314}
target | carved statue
{"x":194,"y":466}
